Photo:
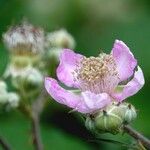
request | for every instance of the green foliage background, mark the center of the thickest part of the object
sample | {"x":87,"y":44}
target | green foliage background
{"x":95,"y":25}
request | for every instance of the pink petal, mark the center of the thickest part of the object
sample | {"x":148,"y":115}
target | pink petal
{"x":65,"y":97}
{"x":95,"y":101}
{"x":61,"y":95}
{"x":131,"y":87}
{"x":65,"y":70}
{"x":125,"y":60}
{"x":86,"y":102}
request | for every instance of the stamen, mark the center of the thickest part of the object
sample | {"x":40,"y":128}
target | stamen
{"x":97,"y":74}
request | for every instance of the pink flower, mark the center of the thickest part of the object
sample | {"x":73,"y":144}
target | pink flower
{"x":96,"y":80}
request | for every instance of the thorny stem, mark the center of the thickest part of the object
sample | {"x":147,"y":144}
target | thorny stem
{"x":4,"y":144}
{"x":132,"y":132}
{"x":37,"y":108}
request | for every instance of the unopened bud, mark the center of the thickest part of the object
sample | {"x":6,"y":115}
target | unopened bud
{"x":89,"y":124}
{"x":13,"y":99}
{"x":129,"y":112}
{"x":3,"y":87}
{"x":24,"y":39}
{"x":3,"y":98}
{"x":109,"y":120}
{"x":60,"y":39}
{"x":30,"y":79}
{"x":54,"y":53}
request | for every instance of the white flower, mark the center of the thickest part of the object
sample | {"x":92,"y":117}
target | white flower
{"x":60,"y":39}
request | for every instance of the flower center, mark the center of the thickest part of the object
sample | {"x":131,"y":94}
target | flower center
{"x":97,"y":74}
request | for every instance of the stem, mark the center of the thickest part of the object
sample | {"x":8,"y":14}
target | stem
{"x":129,"y":130}
{"x":37,"y":108}
{"x":4,"y":144}
{"x":36,"y":133}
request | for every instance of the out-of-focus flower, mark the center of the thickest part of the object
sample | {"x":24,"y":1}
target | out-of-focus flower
{"x":54,"y":54}
{"x":3,"y":87}
{"x":8,"y":98}
{"x":60,"y":39}
{"x":3,"y":98}
{"x":24,"y":39}
{"x":13,"y":99}
{"x":97,"y":79}
{"x":29,"y":78}
{"x":3,"y":92}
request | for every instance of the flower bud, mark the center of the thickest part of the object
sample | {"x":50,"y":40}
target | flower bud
{"x":129,"y":112}
{"x":89,"y":123}
{"x":24,"y":39}
{"x":3,"y":98}
{"x":3,"y":87}
{"x":13,"y":99}
{"x":109,"y":120}
{"x":29,"y":79}
{"x":60,"y":39}
{"x":54,"y":54}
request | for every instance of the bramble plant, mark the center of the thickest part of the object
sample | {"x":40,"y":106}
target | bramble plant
{"x":98,"y":86}
{"x":31,"y":54}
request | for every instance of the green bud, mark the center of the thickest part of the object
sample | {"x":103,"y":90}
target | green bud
{"x":89,"y":123}
{"x":129,"y":112}
{"x":109,"y":120}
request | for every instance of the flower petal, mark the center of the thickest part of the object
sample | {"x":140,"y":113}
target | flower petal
{"x":86,"y":102}
{"x":65,"y":70}
{"x":61,"y":95}
{"x":64,"y":96}
{"x":132,"y":87}
{"x":125,"y":60}
{"x":95,"y":101}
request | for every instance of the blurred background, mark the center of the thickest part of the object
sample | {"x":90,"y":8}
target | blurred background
{"x":95,"y":24}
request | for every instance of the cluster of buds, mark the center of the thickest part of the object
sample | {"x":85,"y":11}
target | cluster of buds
{"x":112,"y":118}
{"x":28,"y":49}
{"x":9,"y":99}
{"x":26,"y":46}
{"x":58,"y":40}
{"x":29,"y":79}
